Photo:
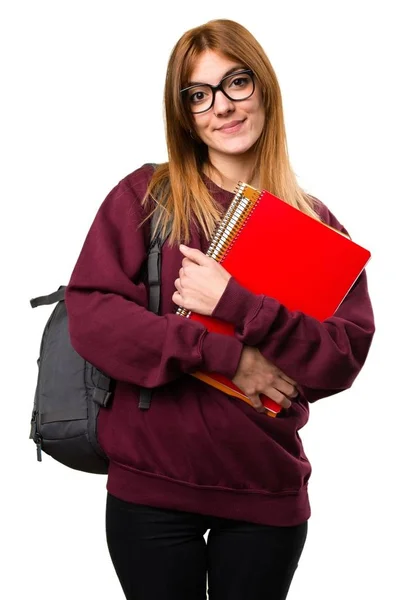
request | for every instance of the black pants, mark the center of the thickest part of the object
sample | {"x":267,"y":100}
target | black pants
{"x":162,"y":555}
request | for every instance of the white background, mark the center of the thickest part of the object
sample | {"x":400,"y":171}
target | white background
{"x":82,"y":85}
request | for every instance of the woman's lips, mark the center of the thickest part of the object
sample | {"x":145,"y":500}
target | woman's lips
{"x":231,"y":127}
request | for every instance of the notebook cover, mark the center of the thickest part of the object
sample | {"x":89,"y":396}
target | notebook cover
{"x":285,"y":254}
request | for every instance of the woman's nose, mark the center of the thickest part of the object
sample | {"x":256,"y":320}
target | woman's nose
{"x":222,"y":104}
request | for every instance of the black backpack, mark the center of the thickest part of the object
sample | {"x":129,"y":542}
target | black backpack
{"x":70,"y":391}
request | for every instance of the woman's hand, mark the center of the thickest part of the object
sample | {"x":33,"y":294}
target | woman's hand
{"x":201,"y":282}
{"x":256,"y":375}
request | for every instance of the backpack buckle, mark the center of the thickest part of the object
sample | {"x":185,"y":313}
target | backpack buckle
{"x":101,"y":397}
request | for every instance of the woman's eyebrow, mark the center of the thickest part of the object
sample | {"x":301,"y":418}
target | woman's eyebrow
{"x":229,"y":72}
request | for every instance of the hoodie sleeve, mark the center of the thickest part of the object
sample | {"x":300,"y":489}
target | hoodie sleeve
{"x":106,"y":302}
{"x":324,"y":358}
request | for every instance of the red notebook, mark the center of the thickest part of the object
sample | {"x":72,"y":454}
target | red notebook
{"x":272,"y":248}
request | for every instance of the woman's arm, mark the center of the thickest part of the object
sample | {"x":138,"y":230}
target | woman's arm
{"x":109,"y":323}
{"x":325,"y":356}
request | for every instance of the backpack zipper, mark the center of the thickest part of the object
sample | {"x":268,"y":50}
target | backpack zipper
{"x":34,"y":435}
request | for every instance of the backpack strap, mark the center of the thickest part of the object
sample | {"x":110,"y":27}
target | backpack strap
{"x":154,"y":263}
{"x":50,"y":298}
{"x":154,"y":282}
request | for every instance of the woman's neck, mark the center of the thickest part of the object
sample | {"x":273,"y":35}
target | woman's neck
{"x":227,"y":171}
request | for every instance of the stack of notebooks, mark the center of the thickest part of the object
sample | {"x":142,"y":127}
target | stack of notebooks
{"x":274,"y":249}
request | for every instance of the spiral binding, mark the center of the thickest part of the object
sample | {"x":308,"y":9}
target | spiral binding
{"x":230,"y":226}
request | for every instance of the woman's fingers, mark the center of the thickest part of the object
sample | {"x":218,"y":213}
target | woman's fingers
{"x":286,"y":378}
{"x":272,"y":393}
{"x":278,"y":397}
{"x":256,"y":375}
{"x":286,"y":388}
{"x":256,"y":403}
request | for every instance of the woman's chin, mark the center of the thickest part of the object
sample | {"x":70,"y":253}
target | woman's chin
{"x":236,"y":149}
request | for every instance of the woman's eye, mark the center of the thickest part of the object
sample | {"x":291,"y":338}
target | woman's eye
{"x":239,"y":81}
{"x":197,"y":96}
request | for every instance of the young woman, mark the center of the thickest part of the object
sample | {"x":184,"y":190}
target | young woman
{"x":198,"y":460}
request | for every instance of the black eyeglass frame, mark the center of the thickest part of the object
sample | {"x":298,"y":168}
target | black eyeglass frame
{"x":215,"y":89}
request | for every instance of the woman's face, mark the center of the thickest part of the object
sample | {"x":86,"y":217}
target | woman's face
{"x":228,"y":127}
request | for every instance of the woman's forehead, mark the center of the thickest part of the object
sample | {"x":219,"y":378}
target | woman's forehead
{"x":211,"y":66}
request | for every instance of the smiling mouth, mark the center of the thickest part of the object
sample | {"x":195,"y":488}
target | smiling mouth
{"x":231,"y":127}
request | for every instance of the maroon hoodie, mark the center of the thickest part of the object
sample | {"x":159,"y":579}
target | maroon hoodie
{"x":196,"y":449}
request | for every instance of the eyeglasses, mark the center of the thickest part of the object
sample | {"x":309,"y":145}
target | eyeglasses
{"x":236,"y":87}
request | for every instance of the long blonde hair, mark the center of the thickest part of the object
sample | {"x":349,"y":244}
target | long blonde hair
{"x":187,"y":199}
